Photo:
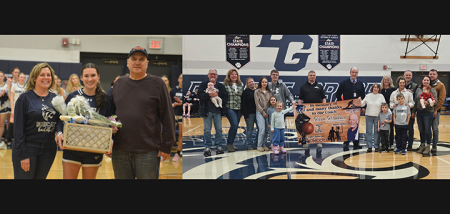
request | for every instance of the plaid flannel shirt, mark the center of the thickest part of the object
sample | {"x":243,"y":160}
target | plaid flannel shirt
{"x":234,"y":96}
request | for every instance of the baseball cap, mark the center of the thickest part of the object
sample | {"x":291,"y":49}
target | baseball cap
{"x":138,"y":49}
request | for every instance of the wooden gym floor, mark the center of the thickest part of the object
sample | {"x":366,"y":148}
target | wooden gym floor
{"x":328,"y":162}
{"x":168,"y":169}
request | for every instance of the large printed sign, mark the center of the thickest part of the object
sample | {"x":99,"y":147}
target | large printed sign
{"x":328,"y":122}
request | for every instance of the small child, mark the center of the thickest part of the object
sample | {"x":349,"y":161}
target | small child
{"x":188,"y":102}
{"x":400,"y":117}
{"x":426,"y":95}
{"x":384,"y":120}
{"x":277,"y":127}
{"x":216,"y":100}
{"x":270,"y":111}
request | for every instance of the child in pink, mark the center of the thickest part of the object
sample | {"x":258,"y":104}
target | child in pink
{"x":426,"y":95}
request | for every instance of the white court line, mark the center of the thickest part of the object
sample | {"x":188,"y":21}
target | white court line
{"x":192,"y":129}
{"x":442,"y":159}
{"x":195,"y":148}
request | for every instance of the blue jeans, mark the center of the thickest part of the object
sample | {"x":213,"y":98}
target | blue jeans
{"x":234,"y":117}
{"x":207,"y":123}
{"x":263,"y":128}
{"x":278,"y":137}
{"x":131,"y":165}
{"x":424,"y":122}
{"x":250,"y":125}
{"x":435,"y":128}
{"x":41,"y":155}
{"x":372,"y":131}
{"x":411,"y":131}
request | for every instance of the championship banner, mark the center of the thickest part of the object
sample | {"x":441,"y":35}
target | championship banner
{"x":329,"y":51}
{"x":327,"y":122}
{"x":237,"y":50}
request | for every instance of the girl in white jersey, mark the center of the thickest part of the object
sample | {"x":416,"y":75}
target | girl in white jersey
{"x":17,"y":89}
{"x":5,"y":108}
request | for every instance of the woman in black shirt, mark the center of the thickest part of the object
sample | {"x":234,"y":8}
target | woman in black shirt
{"x":36,"y":122}
{"x":387,"y":87}
{"x":248,"y":108}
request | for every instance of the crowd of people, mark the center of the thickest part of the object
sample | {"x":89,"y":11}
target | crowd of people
{"x":26,"y":106}
{"x":387,"y":108}
{"x":37,"y":124}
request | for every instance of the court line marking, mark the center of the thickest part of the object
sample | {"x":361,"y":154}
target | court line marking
{"x":442,"y":159}
{"x":190,"y":130}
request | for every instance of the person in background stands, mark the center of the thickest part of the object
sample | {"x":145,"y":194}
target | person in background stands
{"x":312,"y":92}
{"x":16,"y":91}
{"x":373,"y":101}
{"x":93,"y":93}
{"x":424,"y":117}
{"x":142,"y":103}
{"x":5,"y":105}
{"x":73,"y":84}
{"x":279,"y":89}
{"x":36,"y":123}
{"x":441,"y":94}
{"x":234,"y":88}
{"x":167,"y":82}
{"x":387,"y":87}
{"x":351,"y":88}
{"x":248,"y":108}
{"x":410,"y":87}
{"x":262,"y":97}
{"x":211,"y":113}
{"x":176,"y":95}
{"x":112,"y":86}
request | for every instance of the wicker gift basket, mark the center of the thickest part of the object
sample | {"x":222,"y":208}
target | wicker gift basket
{"x":87,"y":138}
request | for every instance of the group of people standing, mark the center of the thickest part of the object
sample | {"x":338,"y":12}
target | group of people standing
{"x":404,"y":104}
{"x":140,"y":101}
{"x":257,"y":103}
{"x":253,"y":103}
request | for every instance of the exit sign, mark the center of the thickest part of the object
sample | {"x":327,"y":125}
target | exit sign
{"x":156,"y":44}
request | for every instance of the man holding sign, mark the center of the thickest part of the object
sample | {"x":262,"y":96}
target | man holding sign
{"x":311,"y":92}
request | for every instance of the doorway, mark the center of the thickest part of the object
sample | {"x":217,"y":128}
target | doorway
{"x":112,"y":65}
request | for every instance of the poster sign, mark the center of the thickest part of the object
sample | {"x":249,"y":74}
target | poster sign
{"x":329,"y":51}
{"x":237,"y":49}
{"x":328,"y":122}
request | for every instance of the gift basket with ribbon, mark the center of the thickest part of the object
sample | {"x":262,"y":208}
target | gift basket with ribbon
{"x":85,"y":129}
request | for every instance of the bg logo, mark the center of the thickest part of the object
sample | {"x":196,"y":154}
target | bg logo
{"x":283,"y":45}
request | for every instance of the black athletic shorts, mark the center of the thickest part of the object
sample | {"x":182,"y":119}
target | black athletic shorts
{"x":85,"y":159}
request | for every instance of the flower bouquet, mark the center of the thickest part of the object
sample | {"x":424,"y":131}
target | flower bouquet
{"x":85,"y":129}
{"x":78,"y":110}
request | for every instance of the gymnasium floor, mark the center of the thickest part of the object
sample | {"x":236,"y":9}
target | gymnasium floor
{"x":168,"y":169}
{"x":328,"y":162}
